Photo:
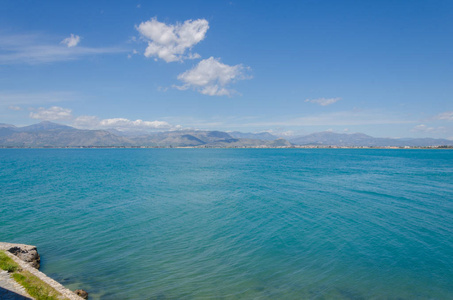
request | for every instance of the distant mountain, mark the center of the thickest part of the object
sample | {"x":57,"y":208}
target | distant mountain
{"x":250,"y":143}
{"x":419,"y":142}
{"x":359,"y":139}
{"x":128,"y":133}
{"x":3,"y":125}
{"x":48,"y":134}
{"x":45,"y":125}
{"x":331,"y":138}
{"x":199,"y":138}
{"x":265,"y":136}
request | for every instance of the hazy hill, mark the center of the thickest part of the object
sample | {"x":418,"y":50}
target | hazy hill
{"x":265,"y":136}
{"x":45,"y":126}
{"x":359,"y":139}
{"x":48,"y":134}
{"x":3,"y":125}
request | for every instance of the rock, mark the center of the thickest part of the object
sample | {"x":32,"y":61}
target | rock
{"x":30,"y":256}
{"x":26,"y":253}
{"x":82,"y":293}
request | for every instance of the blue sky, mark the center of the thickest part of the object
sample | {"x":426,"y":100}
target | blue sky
{"x":384,"y":68}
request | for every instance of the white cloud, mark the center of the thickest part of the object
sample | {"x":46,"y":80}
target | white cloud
{"x":71,"y":41}
{"x":125,"y":123}
{"x":51,"y":114}
{"x":323,"y":101}
{"x":281,"y":133}
{"x":13,"y":107}
{"x":122,"y":124}
{"x":37,"y":49}
{"x":134,"y":52}
{"x":170,"y":42}
{"x":211,"y":77}
{"x":288,"y":133}
{"x":424,"y":128}
{"x":86,"y":121}
{"x":448,"y":115}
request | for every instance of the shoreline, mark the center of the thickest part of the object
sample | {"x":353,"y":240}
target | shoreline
{"x":27,"y":258}
{"x":245,"y":147}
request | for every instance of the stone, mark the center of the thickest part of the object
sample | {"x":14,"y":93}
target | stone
{"x":82,"y":293}
{"x":27,"y":253}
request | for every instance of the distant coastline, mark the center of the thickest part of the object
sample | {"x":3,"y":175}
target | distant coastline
{"x":244,"y":147}
{"x":53,"y":135}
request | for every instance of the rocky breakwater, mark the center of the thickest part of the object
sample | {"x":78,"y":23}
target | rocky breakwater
{"x":29,"y":260}
{"x":27,"y":253}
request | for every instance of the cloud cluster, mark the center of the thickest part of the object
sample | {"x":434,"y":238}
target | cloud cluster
{"x":424,"y":128}
{"x":211,"y":77}
{"x":57,"y":113}
{"x":125,"y":123}
{"x":448,"y":116}
{"x":121,"y":124}
{"x":323,"y":101}
{"x":52,"y":114}
{"x":14,"y":107}
{"x":170,"y":42}
{"x":71,"y":41}
{"x":173,"y":42}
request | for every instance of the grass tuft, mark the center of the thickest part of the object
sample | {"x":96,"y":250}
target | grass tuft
{"x":7,"y":264}
{"x":35,"y":286}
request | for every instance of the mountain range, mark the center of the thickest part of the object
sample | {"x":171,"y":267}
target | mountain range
{"x":48,"y":134}
{"x":328,"y":138}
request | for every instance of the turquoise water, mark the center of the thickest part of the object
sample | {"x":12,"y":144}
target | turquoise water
{"x":235,"y":223}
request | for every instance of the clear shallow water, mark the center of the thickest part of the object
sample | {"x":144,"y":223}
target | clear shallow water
{"x":235,"y":224}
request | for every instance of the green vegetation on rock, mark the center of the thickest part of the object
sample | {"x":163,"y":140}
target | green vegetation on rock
{"x":35,"y":286}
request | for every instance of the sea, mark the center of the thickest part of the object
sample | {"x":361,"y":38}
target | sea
{"x":235,"y":223}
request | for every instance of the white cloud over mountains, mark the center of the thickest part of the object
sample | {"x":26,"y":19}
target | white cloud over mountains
{"x":125,"y":123}
{"x":323,"y":101}
{"x":121,"y":124}
{"x":53,"y":113}
{"x":170,"y":42}
{"x":211,"y":77}
{"x":56,"y":113}
{"x":71,"y":41}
